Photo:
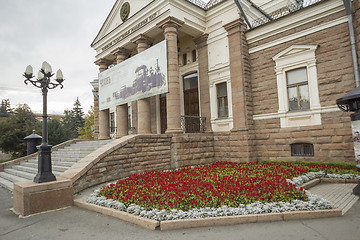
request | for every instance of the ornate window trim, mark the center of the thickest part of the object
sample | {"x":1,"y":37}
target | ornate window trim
{"x":297,"y":56}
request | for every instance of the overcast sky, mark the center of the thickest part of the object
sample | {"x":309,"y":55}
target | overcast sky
{"x":59,"y":32}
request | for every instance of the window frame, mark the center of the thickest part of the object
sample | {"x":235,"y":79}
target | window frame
{"x":295,"y":57}
{"x":302,"y":146}
{"x":224,"y":100}
{"x":297,"y":86}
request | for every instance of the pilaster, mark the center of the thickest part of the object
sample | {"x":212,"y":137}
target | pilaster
{"x":170,"y":27}
{"x":203,"y":66}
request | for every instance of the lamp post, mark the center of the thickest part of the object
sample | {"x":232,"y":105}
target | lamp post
{"x":44,"y":83}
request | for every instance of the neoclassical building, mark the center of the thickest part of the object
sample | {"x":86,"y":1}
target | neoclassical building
{"x":259,"y":78}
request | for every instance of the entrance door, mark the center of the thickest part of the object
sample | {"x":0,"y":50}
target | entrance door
{"x":163,"y":117}
{"x":191,"y":103}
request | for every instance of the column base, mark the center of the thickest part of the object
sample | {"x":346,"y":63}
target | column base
{"x":174,"y":130}
{"x":44,"y":165}
{"x":104,"y":138}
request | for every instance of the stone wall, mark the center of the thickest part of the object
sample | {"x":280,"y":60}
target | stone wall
{"x":332,"y":139}
{"x":144,"y":153}
{"x":192,"y":149}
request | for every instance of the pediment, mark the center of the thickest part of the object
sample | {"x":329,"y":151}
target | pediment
{"x":294,"y":50}
{"x":114,"y":20}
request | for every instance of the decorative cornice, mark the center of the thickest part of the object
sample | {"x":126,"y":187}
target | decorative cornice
{"x":120,"y":51}
{"x":142,"y":38}
{"x":102,"y":62}
{"x":170,"y":22}
{"x":235,"y":26}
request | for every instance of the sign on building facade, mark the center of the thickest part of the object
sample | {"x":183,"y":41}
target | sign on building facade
{"x":141,"y":76}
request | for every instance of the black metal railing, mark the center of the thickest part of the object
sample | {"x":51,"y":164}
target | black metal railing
{"x":193,"y":124}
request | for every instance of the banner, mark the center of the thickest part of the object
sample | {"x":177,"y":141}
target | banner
{"x":141,"y":76}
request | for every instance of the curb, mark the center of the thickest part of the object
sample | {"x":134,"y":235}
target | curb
{"x":241,"y":219}
{"x":143,"y":222}
{"x":208,"y":222}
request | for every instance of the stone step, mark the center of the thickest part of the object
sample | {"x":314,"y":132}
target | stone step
{"x":12,"y":178}
{"x":25,"y":175}
{"x":56,"y":163}
{"x":61,"y":159}
{"x":70,"y":154}
{"x":59,"y":168}
{"x":6,"y":184}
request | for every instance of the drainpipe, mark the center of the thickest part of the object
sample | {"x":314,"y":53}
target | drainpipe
{"x":238,"y":4}
{"x":347,"y":4}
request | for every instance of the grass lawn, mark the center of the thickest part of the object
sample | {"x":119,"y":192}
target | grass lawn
{"x":216,"y":185}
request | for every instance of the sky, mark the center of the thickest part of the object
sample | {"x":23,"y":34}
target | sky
{"x":59,"y":32}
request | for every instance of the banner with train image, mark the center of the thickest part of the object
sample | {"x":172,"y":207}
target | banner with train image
{"x":141,"y":76}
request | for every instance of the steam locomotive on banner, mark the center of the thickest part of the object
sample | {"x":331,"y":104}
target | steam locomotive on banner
{"x":146,"y":79}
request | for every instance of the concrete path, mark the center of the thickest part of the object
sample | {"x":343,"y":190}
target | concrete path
{"x":76,"y":223}
{"x":339,"y":194}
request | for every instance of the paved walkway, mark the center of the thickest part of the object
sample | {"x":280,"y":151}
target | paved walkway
{"x":76,"y":223}
{"x":340,"y":195}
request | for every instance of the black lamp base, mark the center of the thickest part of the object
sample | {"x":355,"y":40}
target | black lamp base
{"x":356,"y":190}
{"x":44,"y":165}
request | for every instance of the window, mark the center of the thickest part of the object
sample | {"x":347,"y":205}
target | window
{"x":112,"y":122}
{"x":184,"y":59}
{"x":194,"y":55}
{"x":302,"y":149}
{"x":297,"y":86}
{"x":222,"y":102}
{"x":298,"y":90}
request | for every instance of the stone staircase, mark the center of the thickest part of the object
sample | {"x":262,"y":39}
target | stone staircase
{"x":62,"y":159}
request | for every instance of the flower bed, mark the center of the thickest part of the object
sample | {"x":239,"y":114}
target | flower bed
{"x":219,"y":189}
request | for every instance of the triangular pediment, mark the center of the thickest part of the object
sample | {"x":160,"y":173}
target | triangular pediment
{"x":114,"y":20}
{"x":293,"y":50}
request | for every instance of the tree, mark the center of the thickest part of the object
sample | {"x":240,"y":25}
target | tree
{"x":5,"y":108}
{"x":87,"y":132}
{"x":15,"y":128}
{"x":73,"y":119}
{"x":78,"y":115}
{"x":57,"y":131}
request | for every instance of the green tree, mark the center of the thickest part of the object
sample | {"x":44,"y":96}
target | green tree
{"x":57,"y":132}
{"x":5,"y":108}
{"x":78,"y":115}
{"x":73,"y":119}
{"x":15,"y":128}
{"x":87,"y":132}
{"x":67,"y":123}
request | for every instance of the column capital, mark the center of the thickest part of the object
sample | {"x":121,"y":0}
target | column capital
{"x":102,"y":61}
{"x":201,"y":41}
{"x":103,"y":64}
{"x":120,"y":51}
{"x":170,"y":22}
{"x":142,"y":38}
{"x":235,"y":26}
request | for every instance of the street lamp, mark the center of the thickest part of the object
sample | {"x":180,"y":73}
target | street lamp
{"x":43,"y":81}
{"x":350,"y":102}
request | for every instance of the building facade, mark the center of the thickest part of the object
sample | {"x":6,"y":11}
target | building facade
{"x":259,"y":78}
